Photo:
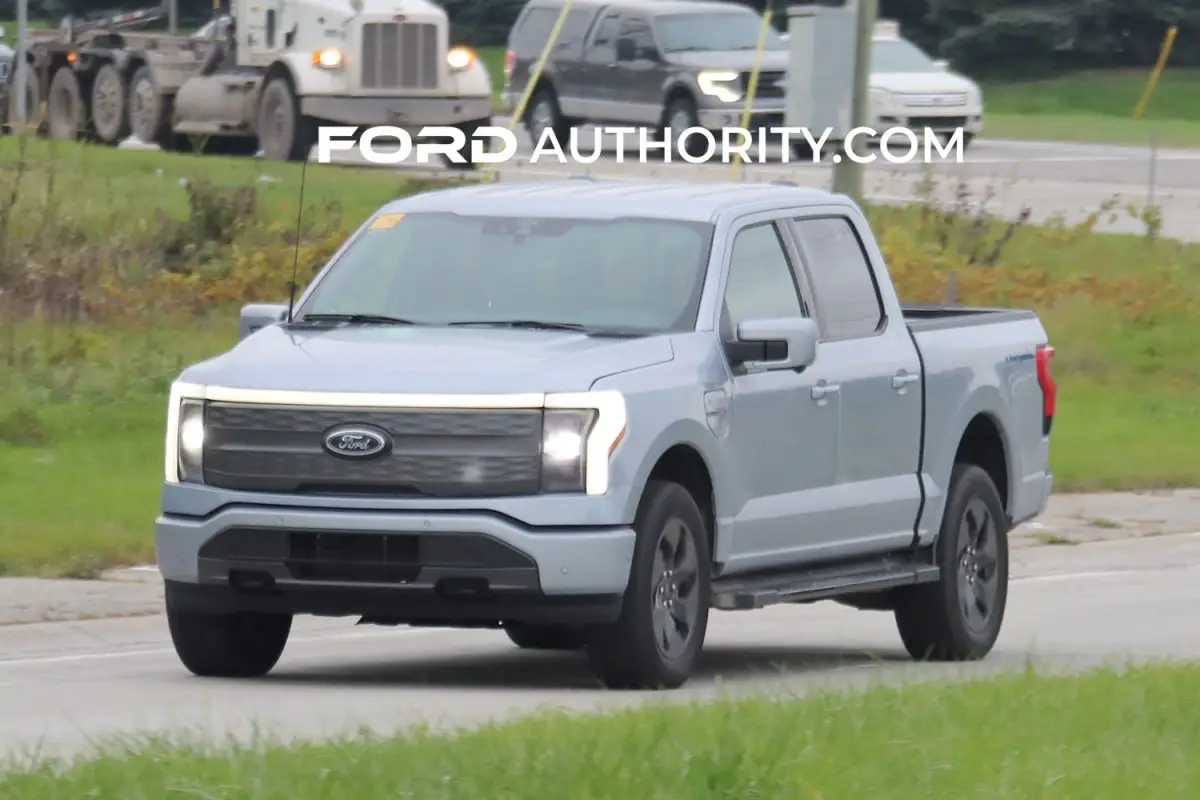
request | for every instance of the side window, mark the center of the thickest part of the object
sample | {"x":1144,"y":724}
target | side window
{"x":270,"y":33}
{"x":760,"y":282}
{"x":606,"y":33}
{"x":639,"y":32}
{"x":848,"y":302}
{"x":533,"y":30}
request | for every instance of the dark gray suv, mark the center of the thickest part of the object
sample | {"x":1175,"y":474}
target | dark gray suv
{"x":649,"y":63}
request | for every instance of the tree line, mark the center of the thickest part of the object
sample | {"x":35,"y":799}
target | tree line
{"x":986,"y":38}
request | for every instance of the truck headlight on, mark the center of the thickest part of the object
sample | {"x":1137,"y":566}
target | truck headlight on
{"x":580,"y":432}
{"x":328,"y":58}
{"x":460,"y":58}
{"x":721,"y":84}
{"x":185,"y":440}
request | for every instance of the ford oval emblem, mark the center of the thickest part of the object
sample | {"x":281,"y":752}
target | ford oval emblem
{"x":357,"y":441}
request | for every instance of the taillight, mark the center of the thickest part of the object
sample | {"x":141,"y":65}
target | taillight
{"x":510,"y":61}
{"x":1045,"y":354}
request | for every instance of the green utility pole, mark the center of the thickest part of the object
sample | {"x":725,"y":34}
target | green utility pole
{"x":847,"y":175}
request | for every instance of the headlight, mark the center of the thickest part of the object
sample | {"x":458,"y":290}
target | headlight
{"x":190,"y":441}
{"x":460,"y":58}
{"x":327,"y":58}
{"x":580,"y":432}
{"x":723,"y":85}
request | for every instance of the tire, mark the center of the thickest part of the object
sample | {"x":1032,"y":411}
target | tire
{"x":679,"y":115}
{"x":545,"y":637}
{"x":283,"y":132}
{"x":33,"y":101}
{"x":934,"y":619}
{"x":150,"y":112}
{"x":968,"y":138}
{"x":110,"y":105}
{"x":66,"y":109}
{"x":228,"y":645}
{"x":627,"y":653}
{"x":544,"y":112}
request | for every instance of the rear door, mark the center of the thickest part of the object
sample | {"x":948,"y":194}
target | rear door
{"x":874,"y":362}
{"x":600,"y":74}
{"x":783,"y":425}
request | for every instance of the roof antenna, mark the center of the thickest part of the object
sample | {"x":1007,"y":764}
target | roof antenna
{"x":296,"y":251}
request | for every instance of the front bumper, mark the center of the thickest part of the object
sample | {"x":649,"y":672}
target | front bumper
{"x":409,"y":113}
{"x":968,"y":119}
{"x":400,"y":566}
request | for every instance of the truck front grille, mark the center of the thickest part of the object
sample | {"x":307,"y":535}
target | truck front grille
{"x":400,"y":55}
{"x":767,"y":85}
{"x":435,"y":453}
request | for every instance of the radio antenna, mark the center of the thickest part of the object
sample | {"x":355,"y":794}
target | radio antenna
{"x":296,"y":250}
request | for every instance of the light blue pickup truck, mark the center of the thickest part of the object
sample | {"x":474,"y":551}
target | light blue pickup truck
{"x":589,"y":412}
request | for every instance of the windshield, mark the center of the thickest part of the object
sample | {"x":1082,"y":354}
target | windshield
{"x":627,"y":275}
{"x":680,"y":33}
{"x":899,"y":55}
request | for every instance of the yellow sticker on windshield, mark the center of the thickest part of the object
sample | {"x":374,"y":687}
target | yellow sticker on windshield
{"x":385,"y":221}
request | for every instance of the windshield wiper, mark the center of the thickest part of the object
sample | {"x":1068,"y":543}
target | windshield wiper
{"x":526,"y":323}
{"x":356,"y":319}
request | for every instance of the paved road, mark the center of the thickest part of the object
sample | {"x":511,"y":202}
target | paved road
{"x":1050,"y":178}
{"x":64,"y":684}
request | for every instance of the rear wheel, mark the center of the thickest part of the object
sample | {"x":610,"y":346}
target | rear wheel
{"x":655,"y":642}
{"x":283,"y":132}
{"x":34,"y":114}
{"x":240,"y":645}
{"x":150,"y":112}
{"x":545,"y":637}
{"x":544,"y":114}
{"x":67,"y":111}
{"x":959,"y":617}
{"x":110,"y":101}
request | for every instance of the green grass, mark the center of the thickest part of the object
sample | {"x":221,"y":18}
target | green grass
{"x":1100,"y":735}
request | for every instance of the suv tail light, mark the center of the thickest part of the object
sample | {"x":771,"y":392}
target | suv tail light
{"x":510,"y":61}
{"x":1045,"y":354}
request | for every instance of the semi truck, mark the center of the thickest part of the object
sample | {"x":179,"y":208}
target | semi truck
{"x":266,"y":80}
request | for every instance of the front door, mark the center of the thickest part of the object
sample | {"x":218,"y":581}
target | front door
{"x":640,"y":90}
{"x":783,"y":425}
{"x":875,"y":362}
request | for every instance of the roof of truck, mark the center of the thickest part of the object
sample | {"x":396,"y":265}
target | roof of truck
{"x":588,"y":197}
{"x":651,"y":5}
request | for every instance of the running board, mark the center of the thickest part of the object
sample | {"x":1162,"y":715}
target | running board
{"x":743,"y":593}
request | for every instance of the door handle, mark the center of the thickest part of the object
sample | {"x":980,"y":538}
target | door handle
{"x":901,"y":380}
{"x":823,"y":390}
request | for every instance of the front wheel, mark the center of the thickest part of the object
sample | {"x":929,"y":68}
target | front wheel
{"x":655,"y":642}
{"x":466,"y":164}
{"x":959,"y":617}
{"x":238,"y":645}
{"x":283,"y":132}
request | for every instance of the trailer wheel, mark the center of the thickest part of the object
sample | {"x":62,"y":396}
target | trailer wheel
{"x":149,"y":111}
{"x":68,"y":114}
{"x":284,"y":133}
{"x":34,"y":114}
{"x":110,"y":101}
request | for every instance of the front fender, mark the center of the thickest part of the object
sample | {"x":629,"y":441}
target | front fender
{"x":474,"y":81}
{"x":310,"y":80}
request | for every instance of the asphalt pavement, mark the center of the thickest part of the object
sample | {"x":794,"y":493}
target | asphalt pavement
{"x":63,"y":686}
{"x":1051,"y":179}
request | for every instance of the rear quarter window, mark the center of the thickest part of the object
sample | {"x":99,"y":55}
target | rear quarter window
{"x":848,"y":304}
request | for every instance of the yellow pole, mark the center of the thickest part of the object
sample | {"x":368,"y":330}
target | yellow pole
{"x":1152,"y":84}
{"x":752,"y":89}
{"x":534,"y":76}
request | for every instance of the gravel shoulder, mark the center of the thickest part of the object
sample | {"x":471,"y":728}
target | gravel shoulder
{"x":1070,"y":520}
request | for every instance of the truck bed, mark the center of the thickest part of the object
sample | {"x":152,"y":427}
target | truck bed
{"x":940,"y":317}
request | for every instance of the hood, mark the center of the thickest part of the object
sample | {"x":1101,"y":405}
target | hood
{"x":421,"y":360}
{"x":740,"y":60}
{"x":920,"y":82}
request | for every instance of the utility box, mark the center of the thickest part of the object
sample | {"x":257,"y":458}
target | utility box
{"x":820,"y":75}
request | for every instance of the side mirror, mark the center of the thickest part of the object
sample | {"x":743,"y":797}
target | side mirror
{"x":941,"y":65}
{"x":626,"y":51}
{"x":256,"y":316}
{"x":775,"y":344}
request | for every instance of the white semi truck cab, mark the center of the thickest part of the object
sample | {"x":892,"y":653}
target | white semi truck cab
{"x":264,"y":76}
